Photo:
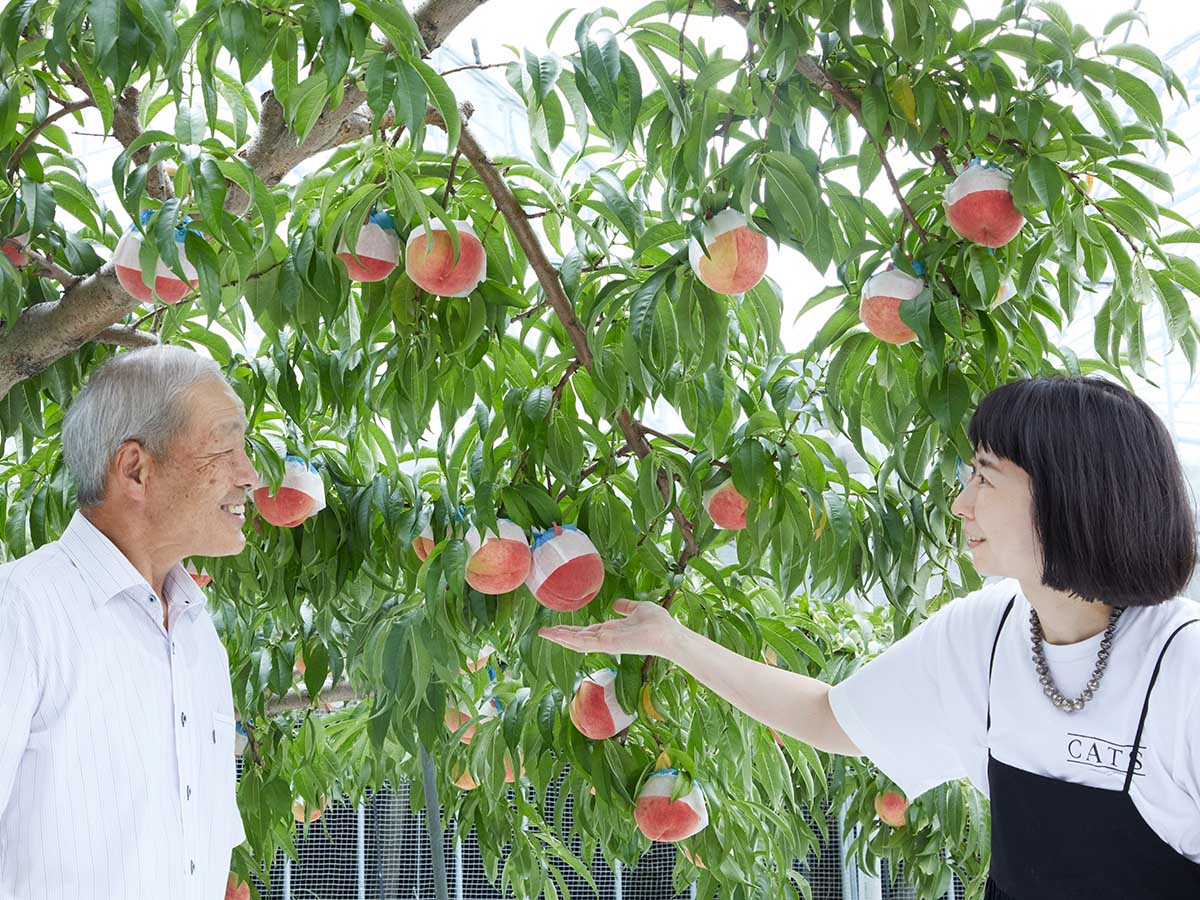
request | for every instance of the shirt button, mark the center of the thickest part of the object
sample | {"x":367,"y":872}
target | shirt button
{"x":189,"y":792}
{"x":183,"y":719}
{"x":193,"y":862}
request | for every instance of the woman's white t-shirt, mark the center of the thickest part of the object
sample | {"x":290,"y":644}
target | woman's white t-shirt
{"x":919,"y":710}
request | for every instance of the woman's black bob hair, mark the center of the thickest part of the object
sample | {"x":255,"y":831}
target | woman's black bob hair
{"x":1111,"y":506}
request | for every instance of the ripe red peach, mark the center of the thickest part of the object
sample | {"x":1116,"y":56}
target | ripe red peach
{"x":737,"y":254}
{"x":429,"y":260}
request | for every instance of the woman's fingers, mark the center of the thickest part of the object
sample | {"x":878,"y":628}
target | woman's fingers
{"x":575,"y":637}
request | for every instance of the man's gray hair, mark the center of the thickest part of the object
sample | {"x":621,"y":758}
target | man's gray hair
{"x":139,"y":395}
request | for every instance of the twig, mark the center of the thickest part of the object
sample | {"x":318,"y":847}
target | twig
{"x":942,"y":156}
{"x":125,"y":336}
{"x":562,"y":383}
{"x":465,"y":68}
{"x":343,"y":692}
{"x":252,"y":743}
{"x":683,"y":47}
{"x":41,"y":126}
{"x":533,"y":310}
{"x":682,"y":446}
{"x":904,"y":207}
{"x":450,"y":177}
{"x":53,"y":269}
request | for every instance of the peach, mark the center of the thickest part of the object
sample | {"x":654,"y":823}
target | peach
{"x":737,"y":254}
{"x":202,"y":578}
{"x":464,"y":782}
{"x":979,"y":205}
{"x":660,"y":818}
{"x":497,"y":562}
{"x":14,"y":248}
{"x":880,"y":307}
{"x":301,"y":495}
{"x":167,"y":285}
{"x":455,"y":718}
{"x":377,"y":250}
{"x":481,"y":660}
{"x":594,"y":708}
{"x":566,"y":571}
{"x":726,"y":507}
{"x":300,"y":807}
{"x":236,"y":889}
{"x":509,"y":775}
{"x":430,"y":262}
{"x":890,"y":808}
{"x":424,"y":543}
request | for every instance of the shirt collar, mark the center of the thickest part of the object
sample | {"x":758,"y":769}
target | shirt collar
{"x":99,"y":560}
{"x":112,"y":573}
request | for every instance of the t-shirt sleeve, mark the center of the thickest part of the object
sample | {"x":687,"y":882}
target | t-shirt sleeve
{"x":918,"y":711}
{"x":21,"y":691}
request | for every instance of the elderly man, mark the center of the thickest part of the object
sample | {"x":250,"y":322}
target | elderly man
{"x":116,"y":756}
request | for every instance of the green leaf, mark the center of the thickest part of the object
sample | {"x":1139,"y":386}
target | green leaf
{"x":949,"y":399}
{"x":869,"y":15}
{"x":1140,"y":97}
{"x":442,"y":99}
{"x":1175,"y":305}
{"x":1146,"y":172}
{"x":791,"y":195}
{"x":190,"y":125}
{"x":1046,"y":179}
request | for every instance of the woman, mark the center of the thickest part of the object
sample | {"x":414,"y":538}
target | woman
{"x":1067,"y":690}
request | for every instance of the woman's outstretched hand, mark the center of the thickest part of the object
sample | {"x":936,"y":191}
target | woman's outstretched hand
{"x":644,"y":629}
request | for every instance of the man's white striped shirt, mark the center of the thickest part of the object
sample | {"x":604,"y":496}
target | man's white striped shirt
{"x":117,"y":775}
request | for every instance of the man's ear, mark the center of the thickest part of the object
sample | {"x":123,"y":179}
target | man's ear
{"x":129,"y":473}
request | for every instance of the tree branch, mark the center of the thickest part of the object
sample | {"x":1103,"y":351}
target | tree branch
{"x":556,"y":296}
{"x":301,"y":699}
{"x":127,"y":130}
{"x":274,"y":151}
{"x":41,"y":126}
{"x":46,"y":332}
{"x":688,"y":448}
{"x":52,"y":269}
{"x":126,"y":336}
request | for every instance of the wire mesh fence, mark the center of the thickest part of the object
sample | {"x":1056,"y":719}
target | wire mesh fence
{"x":381,"y":851}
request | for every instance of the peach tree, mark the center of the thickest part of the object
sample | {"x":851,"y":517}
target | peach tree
{"x":452,"y":341}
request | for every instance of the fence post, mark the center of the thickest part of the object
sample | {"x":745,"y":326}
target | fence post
{"x":433,"y":820}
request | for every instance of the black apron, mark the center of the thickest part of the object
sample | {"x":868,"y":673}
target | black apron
{"x":1057,"y":840}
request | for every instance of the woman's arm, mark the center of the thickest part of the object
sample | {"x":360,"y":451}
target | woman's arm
{"x":790,"y":703}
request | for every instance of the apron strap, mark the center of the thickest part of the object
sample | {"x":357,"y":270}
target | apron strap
{"x":1133,"y":754}
{"x":992,"y":663}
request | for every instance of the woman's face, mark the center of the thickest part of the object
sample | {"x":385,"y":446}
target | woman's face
{"x":996,"y":507}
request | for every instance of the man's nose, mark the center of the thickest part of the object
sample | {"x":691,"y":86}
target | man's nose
{"x":247,"y":475}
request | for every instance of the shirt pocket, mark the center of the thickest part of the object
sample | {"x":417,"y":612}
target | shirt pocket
{"x":223,"y":768}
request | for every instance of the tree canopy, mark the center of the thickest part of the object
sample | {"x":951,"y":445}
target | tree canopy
{"x":528,"y":398}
